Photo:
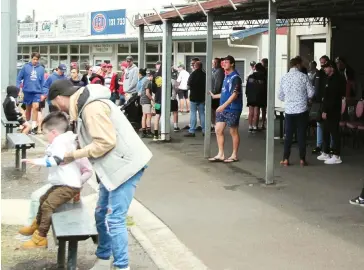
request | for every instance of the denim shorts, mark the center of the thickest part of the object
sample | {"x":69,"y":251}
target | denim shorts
{"x":231,"y":119}
{"x":30,"y":98}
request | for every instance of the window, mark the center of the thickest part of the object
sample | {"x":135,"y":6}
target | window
{"x":151,"y":66}
{"x":53,"y":49}
{"x":54,"y":61}
{"x":75,"y":58}
{"x":184,"y":47}
{"x":84,"y":60}
{"x":199,"y":47}
{"x":134,"y":48}
{"x":84,"y":49}
{"x":19,"y":49}
{"x":151,"y":48}
{"x":26,"y":49}
{"x":44,"y":60}
{"x":74,"y":49}
{"x":123,"y":48}
{"x":240,"y":67}
{"x":63,"y":59}
{"x":43,"y":50}
{"x":152,"y":58}
{"x":63,"y":49}
{"x":35,"y":49}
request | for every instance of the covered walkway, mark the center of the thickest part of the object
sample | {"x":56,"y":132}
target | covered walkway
{"x":231,"y":13}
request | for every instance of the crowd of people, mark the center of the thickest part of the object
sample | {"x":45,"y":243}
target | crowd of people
{"x":92,"y":103}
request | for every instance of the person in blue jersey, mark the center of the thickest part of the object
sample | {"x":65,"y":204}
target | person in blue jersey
{"x":32,"y":76}
{"x":229,"y":111}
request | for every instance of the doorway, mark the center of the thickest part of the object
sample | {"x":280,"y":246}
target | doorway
{"x":99,"y":60}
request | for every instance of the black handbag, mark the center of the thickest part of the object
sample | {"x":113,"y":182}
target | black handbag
{"x":316,"y":112}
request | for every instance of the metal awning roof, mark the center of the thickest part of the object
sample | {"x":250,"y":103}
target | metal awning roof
{"x":223,"y":10}
{"x":253,"y":31}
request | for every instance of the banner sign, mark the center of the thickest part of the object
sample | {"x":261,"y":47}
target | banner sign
{"x":108,"y":22}
{"x":46,"y":29}
{"x":27,"y":30}
{"x":73,"y":25}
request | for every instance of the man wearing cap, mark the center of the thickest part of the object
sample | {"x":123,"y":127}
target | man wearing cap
{"x":229,"y":111}
{"x":331,"y":114}
{"x":131,"y":77}
{"x":58,"y":74}
{"x":118,"y":156}
{"x":103,"y":67}
{"x":111,"y":82}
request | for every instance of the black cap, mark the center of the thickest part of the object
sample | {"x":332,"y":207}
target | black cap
{"x":230,"y":59}
{"x":253,"y":63}
{"x":329,"y":64}
{"x":158,"y":63}
{"x":62,"y":88}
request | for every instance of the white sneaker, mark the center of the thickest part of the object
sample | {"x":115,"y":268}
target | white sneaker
{"x":333,"y":160}
{"x":102,"y":264}
{"x":117,"y":268}
{"x":323,"y":156}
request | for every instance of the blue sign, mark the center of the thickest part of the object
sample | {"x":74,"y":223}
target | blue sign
{"x":108,"y":22}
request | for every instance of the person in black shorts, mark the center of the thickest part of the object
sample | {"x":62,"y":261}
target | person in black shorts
{"x":218,"y":75}
{"x":174,"y":104}
{"x":256,"y":89}
{"x":11,"y":110}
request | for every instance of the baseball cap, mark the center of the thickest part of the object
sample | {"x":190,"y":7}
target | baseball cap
{"x":62,"y":88}
{"x":109,"y":65}
{"x":158,"y":63}
{"x":103,"y":65}
{"x":329,"y":64}
{"x":253,"y":63}
{"x":124,"y":64}
{"x":62,"y":67}
{"x":181,"y":66}
{"x":129,"y":58}
{"x":230,"y":59}
{"x":95,"y":69}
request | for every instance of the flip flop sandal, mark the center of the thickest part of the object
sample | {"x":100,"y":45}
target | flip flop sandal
{"x":215,"y":159}
{"x":231,"y":160}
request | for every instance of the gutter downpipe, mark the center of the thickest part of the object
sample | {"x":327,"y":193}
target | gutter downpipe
{"x":244,"y":46}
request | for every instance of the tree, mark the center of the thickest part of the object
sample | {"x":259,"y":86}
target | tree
{"x":28,"y":19}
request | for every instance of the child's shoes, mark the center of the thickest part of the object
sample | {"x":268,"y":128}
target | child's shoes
{"x":37,"y":241}
{"x":29,"y":230}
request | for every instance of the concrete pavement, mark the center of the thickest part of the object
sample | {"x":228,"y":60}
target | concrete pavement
{"x":231,"y":220}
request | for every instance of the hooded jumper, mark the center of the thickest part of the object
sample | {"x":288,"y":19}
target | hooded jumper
{"x":32,"y":77}
{"x":77,"y":82}
{"x":97,"y":79}
{"x":131,"y":79}
{"x":52,"y":78}
{"x":11,"y":110}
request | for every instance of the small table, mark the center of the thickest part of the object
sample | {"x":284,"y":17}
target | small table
{"x":280,"y":110}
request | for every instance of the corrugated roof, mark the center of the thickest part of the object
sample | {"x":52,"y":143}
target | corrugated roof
{"x":253,"y":31}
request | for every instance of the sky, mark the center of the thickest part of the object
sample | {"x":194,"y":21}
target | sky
{"x":50,"y":9}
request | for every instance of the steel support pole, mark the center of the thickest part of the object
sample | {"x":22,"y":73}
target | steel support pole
{"x":167,"y":83}
{"x":207,"y":139}
{"x":141,"y":48}
{"x":269,"y":155}
{"x":8,"y":42}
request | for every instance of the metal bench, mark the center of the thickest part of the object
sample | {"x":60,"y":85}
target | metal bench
{"x":9,"y":125}
{"x":71,"y":223}
{"x":22,"y":142}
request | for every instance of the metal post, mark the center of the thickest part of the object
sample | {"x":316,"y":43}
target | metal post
{"x":17,"y":158}
{"x":269,"y":155}
{"x":24,"y":156}
{"x":141,"y":47}
{"x":72,"y":255}
{"x":61,"y":254}
{"x":207,"y":140}
{"x":167,"y":84}
{"x":13,"y":50}
{"x":5,"y":42}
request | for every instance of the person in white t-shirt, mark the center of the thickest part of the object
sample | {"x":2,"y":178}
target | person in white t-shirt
{"x":182,"y":92}
{"x":66,"y":179}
